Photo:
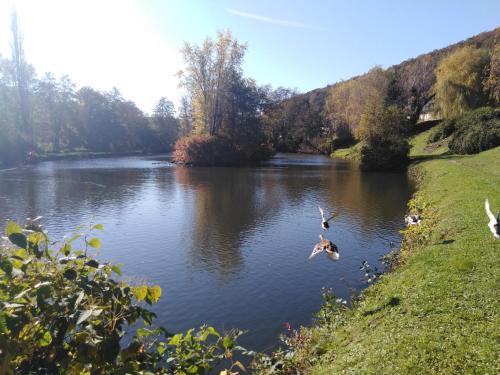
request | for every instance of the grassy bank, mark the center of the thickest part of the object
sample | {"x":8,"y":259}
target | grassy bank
{"x":438,"y":311}
{"x":349,"y":153}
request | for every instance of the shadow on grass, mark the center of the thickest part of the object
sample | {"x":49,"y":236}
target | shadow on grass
{"x":447,"y":242}
{"x":394,"y":301}
{"x":421,"y":158}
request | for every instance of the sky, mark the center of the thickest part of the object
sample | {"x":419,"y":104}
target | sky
{"x":134,"y":45}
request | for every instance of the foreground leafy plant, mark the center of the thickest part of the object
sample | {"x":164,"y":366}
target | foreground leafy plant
{"x":61,"y":311}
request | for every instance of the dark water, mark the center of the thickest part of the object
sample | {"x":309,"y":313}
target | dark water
{"x":229,"y":246}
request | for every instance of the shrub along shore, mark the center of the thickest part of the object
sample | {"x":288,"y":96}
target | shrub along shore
{"x":437,"y":310}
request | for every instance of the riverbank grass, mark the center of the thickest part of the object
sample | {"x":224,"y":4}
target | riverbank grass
{"x":439,"y":311}
{"x":349,"y":153}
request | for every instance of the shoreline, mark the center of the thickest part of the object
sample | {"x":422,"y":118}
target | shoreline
{"x":436,"y":310}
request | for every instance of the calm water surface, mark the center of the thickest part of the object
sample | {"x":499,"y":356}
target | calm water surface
{"x":229,"y":246}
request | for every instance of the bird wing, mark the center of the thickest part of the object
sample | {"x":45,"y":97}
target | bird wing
{"x":488,"y":211}
{"x":322,"y":213}
{"x":331,"y":217}
{"x":317,"y":249}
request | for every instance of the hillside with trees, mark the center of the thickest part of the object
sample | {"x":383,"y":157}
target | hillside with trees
{"x":444,"y":83}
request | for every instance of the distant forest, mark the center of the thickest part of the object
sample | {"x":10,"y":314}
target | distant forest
{"x":42,"y":115}
{"x":339,"y":115}
{"x":225,"y":116}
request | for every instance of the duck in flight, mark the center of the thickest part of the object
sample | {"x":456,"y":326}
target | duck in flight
{"x":324,"y":222}
{"x":328,"y":247}
{"x":494,"y":223}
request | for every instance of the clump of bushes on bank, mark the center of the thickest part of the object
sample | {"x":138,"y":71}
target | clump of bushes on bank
{"x":219,"y":150}
{"x":62,"y":311}
{"x":473,"y":132}
{"x":386,"y":144}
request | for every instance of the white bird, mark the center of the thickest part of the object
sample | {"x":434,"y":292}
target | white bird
{"x":412,"y":220}
{"x":324,"y":222}
{"x":327,"y":246}
{"x":493,"y":224}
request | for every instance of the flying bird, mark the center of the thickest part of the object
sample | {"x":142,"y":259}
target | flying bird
{"x":494,"y":223}
{"x":327,"y":246}
{"x":324,"y":222}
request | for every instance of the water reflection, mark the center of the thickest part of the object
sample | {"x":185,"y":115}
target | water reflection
{"x":229,"y":246}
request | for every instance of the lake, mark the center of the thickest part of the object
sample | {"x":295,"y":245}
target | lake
{"x":228,"y":246}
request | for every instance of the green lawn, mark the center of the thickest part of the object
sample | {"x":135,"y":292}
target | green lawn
{"x":420,"y":148}
{"x":439,"y":311}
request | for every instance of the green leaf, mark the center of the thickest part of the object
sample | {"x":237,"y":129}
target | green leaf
{"x":95,"y":243}
{"x":6,"y":266}
{"x":19,"y":240}
{"x":42,"y":294}
{"x":140,"y":292}
{"x":66,"y":249}
{"x":116,"y":270}
{"x":20,"y":253}
{"x":175,"y":340}
{"x":154,"y":293}
{"x":84,"y":315}
{"x":227,"y":342}
{"x":70,"y":274}
{"x":12,"y":228}
{"x":213,"y":331}
{"x":144,"y":332}
{"x":98,"y":226}
{"x":161,"y":348}
{"x":3,"y":323}
{"x":46,"y":339}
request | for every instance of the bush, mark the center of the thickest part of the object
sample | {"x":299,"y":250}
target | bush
{"x":61,"y":311}
{"x":219,"y":150}
{"x":442,"y":131}
{"x":385,"y":153}
{"x":476,"y":131}
{"x":386,"y":145}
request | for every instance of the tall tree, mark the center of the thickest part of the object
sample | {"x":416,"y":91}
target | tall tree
{"x":459,"y":81}
{"x":210,"y":70}
{"x":21,"y":77}
{"x":492,"y":82}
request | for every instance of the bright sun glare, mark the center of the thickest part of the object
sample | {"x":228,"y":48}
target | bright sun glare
{"x":97,"y":43}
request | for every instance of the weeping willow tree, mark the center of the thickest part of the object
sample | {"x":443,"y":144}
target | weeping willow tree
{"x":459,"y":81}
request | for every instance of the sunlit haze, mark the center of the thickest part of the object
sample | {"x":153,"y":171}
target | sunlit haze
{"x":134,"y":45}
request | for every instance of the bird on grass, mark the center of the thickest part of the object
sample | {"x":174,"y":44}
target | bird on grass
{"x":324,"y":222}
{"x":412,"y":220}
{"x":494,"y":223}
{"x":328,"y":247}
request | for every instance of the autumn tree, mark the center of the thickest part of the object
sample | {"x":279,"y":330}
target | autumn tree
{"x":210,"y":69}
{"x":459,"y":81}
{"x":415,"y":81}
{"x":492,"y":81}
{"x":347,"y":100}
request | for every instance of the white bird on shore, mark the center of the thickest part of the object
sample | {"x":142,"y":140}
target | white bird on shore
{"x":324,"y":222}
{"x":412,"y":220}
{"x":327,"y":246}
{"x":494,"y":223}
